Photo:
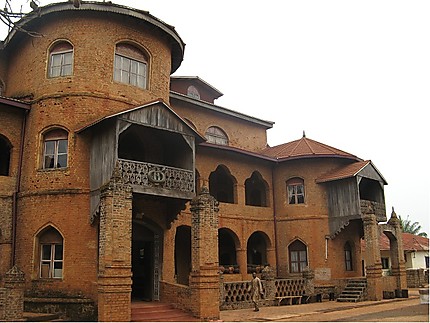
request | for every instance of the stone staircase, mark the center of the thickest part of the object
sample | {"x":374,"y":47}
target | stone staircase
{"x":354,"y":291}
{"x":158,"y":312}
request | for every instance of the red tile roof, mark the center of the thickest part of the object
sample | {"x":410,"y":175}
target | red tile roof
{"x":411,"y":242}
{"x":305,"y":148}
{"x":343,"y":172}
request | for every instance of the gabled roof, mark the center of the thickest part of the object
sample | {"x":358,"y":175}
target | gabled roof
{"x":147,"y":105}
{"x":204,"y":84}
{"x":305,"y":148}
{"x":411,"y":242}
{"x":217,"y":108}
{"x":350,"y":170}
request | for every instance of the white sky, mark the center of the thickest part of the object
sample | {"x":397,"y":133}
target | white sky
{"x":354,"y":75}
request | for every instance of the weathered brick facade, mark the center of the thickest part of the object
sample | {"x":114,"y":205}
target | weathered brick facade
{"x":117,"y":223}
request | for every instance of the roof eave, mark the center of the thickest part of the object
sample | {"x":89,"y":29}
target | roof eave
{"x":217,"y":108}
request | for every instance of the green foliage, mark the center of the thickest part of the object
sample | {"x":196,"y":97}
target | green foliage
{"x":411,"y":227}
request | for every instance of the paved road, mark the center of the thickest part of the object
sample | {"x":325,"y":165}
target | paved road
{"x":395,"y":310}
{"x":405,"y":311}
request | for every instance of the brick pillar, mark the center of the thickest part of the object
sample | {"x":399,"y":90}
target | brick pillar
{"x":204,"y":277}
{"x":114,"y":277}
{"x":396,"y":253}
{"x":268,"y":275}
{"x":242,"y":262}
{"x":309,"y":277}
{"x":14,"y":282}
{"x":372,"y":257}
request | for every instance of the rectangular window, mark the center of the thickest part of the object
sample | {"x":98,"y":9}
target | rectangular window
{"x":385,"y":263}
{"x":51,"y":262}
{"x":61,"y":64}
{"x":55,"y":154}
{"x":348,"y":260}
{"x":130,"y":71}
{"x":296,"y":194}
{"x":298,"y":261}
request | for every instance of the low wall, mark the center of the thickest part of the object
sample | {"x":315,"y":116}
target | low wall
{"x":417,"y":277}
{"x":176,"y":294}
{"x":69,"y":308}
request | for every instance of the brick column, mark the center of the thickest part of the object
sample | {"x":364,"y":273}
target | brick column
{"x":372,"y":257}
{"x":204,"y":277}
{"x":242,"y":262}
{"x":268,"y":276}
{"x":396,"y":253}
{"x":14,"y":295}
{"x":114,"y":277}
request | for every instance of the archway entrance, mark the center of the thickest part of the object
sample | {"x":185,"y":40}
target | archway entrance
{"x":145,"y":261}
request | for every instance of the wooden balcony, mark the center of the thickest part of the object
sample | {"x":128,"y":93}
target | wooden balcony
{"x":157,"y":179}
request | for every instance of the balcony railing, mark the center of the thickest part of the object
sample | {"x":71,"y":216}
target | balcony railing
{"x":158,"y":178}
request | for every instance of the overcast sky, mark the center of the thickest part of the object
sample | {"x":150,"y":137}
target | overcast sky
{"x":354,"y":75}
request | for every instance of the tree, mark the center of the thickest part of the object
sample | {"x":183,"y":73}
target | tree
{"x":411,"y":227}
{"x":9,"y":17}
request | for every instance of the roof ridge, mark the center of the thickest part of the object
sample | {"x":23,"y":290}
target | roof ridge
{"x":307,"y":144}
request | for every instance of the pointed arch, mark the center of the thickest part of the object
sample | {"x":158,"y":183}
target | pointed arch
{"x":222,"y":185}
{"x":298,"y":256}
{"x":49,"y":253}
{"x":256,"y":190}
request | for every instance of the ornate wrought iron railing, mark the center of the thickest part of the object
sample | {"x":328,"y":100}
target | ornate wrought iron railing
{"x":157,"y":176}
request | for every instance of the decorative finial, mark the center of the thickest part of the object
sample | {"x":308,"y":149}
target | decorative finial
{"x":393,"y":214}
{"x":304,"y":135}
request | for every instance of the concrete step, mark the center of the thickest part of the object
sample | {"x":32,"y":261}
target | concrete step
{"x":41,"y":317}
{"x":159,"y":312}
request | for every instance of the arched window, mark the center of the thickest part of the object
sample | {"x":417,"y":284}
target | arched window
{"x":221,"y":185}
{"x":256,"y":251}
{"x":348,"y":256}
{"x":55,"y":149}
{"x":228,"y":242}
{"x":296,"y":191}
{"x":5,"y":148}
{"x":51,"y":253}
{"x":61,"y":59}
{"x":193,"y":92}
{"x":217,"y":136}
{"x":131,"y":65}
{"x":298,"y":256}
{"x":255,"y":190}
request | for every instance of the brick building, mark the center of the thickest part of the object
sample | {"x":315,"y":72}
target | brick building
{"x":119,"y":181}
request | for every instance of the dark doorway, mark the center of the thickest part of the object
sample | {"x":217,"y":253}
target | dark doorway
{"x":143,"y":254}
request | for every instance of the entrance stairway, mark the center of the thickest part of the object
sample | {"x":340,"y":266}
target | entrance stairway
{"x":354,"y":291}
{"x":158,"y":312}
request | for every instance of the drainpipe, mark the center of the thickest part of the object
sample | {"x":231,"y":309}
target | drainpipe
{"x":17,"y":189}
{"x":275,"y":223}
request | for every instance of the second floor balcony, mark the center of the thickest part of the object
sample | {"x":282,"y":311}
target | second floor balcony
{"x":155,"y":179}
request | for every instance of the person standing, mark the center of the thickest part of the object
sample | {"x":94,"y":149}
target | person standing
{"x":256,"y":289}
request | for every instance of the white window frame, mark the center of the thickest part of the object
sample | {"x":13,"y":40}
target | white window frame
{"x":294,"y":196}
{"x":51,"y":262}
{"x":130,"y":71}
{"x":55,"y":154}
{"x":65,"y":65}
{"x":216,"y":135}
